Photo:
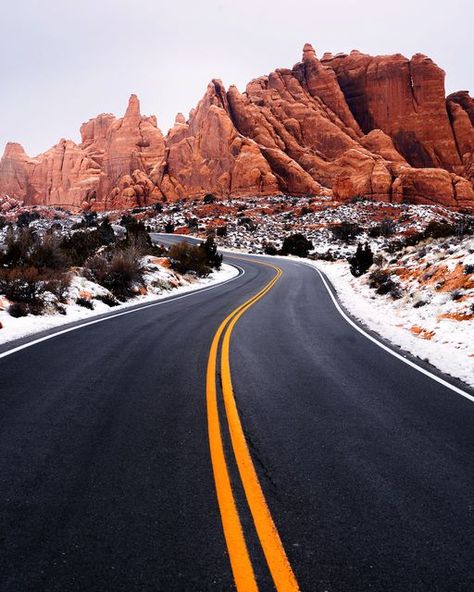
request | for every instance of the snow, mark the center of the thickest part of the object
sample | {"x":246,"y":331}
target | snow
{"x":161,"y":283}
{"x":447,"y":344}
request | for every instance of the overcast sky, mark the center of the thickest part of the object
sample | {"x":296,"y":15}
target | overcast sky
{"x":64,"y":61}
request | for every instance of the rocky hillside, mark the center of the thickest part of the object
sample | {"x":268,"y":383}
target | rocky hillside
{"x":344,"y":126}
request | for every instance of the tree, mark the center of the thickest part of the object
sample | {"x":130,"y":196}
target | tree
{"x":296,"y":244}
{"x":362,"y":260}
{"x":213,"y":258}
{"x":209,"y":198}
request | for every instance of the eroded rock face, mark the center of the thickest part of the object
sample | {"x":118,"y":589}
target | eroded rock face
{"x":405,"y":99}
{"x":354,"y":125}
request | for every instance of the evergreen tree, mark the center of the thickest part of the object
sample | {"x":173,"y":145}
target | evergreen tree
{"x":362,"y":260}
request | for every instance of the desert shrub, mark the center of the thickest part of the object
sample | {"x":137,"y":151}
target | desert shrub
{"x":419,"y":304}
{"x":84,"y":302}
{"x":413,"y":239}
{"x":209,"y":198}
{"x":439,"y":230}
{"x":158,"y":207}
{"x":199,"y":259}
{"x":326,"y":256}
{"x":18,"y":247}
{"x":221,"y":230}
{"x":375,"y":231}
{"x":18,"y":309}
{"x":89,"y":220}
{"x":47,"y":254}
{"x":296,"y":244}
{"x":81,"y":245}
{"x":169,"y":227}
{"x":108,"y":299}
{"x":192,"y":223}
{"x":25,"y":248}
{"x":469,"y":268}
{"x":106,"y":232}
{"x":394,"y":246}
{"x":57,"y":283}
{"x":25,"y":219}
{"x":117,"y":271}
{"x":345,"y":231}
{"x":361,"y":261}
{"x":247,"y":223}
{"x":386,"y":228}
{"x":28,"y":285}
{"x":270,"y":249}
{"x":381,"y":281}
{"x":21,"y":284}
{"x":456,"y":294}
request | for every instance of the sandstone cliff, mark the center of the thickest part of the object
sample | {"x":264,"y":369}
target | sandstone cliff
{"x":347,"y":125}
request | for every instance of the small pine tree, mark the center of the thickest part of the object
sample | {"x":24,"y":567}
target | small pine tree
{"x":361,"y":262}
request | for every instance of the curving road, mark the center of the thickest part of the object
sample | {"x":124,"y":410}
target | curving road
{"x":108,"y":481}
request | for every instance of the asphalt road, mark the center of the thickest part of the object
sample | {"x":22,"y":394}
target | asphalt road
{"x":106,"y":480}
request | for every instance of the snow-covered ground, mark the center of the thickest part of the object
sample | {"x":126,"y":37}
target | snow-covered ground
{"x":434,"y":317}
{"x":160,"y":283}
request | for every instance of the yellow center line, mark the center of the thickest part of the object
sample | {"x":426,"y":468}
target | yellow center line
{"x":267,"y":533}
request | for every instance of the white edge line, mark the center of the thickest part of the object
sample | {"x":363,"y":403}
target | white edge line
{"x":385,"y":347}
{"x":120,"y":314}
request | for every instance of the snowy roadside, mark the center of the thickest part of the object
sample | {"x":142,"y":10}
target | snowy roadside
{"x":161,"y":282}
{"x":426,"y":332}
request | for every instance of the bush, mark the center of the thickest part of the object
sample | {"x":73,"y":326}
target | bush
{"x":28,"y":285}
{"x":469,"y":268}
{"x":47,"y":254}
{"x":212,"y":257}
{"x":198,"y":259}
{"x":169,"y":227}
{"x":362,"y":260}
{"x":439,"y":230}
{"x":108,"y":299}
{"x":381,"y":281}
{"x":270,"y":249}
{"x":89,"y":220}
{"x":21,"y":284}
{"x":85,"y":303}
{"x":25,"y":218}
{"x":117,"y":272}
{"x":209,"y":198}
{"x":247,"y":222}
{"x":296,"y":244}
{"x":18,"y":309}
{"x":346,"y":231}
{"x":386,"y":228}
{"x":58,"y":284}
{"x":81,"y":245}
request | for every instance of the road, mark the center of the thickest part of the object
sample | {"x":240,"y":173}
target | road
{"x":133,"y":458}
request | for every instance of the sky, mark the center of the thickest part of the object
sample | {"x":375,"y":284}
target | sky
{"x":65,"y":61}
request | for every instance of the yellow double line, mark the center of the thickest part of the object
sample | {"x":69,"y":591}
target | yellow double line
{"x":278,"y":564}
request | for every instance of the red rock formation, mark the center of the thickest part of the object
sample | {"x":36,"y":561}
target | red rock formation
{"x":356,"y":125}
{"x":405,"y":99}
{"x":208,"y":155}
